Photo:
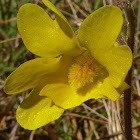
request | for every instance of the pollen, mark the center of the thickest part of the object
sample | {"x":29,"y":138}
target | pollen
{"x":84,"y":69}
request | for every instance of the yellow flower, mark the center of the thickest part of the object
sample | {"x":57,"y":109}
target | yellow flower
{"x":73,"y":68}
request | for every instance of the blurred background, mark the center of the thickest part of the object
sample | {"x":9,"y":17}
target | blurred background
{"x":99,"y":119}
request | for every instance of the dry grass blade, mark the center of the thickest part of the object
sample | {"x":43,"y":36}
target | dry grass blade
{"x":95,"y":112}
{"x":85,"y":117}
{"x":8,"y":20}
{"x":8,"y":40}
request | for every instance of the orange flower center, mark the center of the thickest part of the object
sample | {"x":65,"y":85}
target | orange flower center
{"x":83,"y":71}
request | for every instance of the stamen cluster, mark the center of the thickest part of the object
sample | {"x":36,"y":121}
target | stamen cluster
{"x":83,"y":71}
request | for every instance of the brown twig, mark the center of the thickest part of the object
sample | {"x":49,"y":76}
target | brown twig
{"x":32,"y":135}
{"x":8,"y":40}
{"x":85,"y":117}
{"x":8,"y":20}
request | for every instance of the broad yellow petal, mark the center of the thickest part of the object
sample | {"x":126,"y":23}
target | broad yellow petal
{"x":109,"y":91}
{"x":66,"y":97}
{"x":42,"y":35}
{"x":117,"y":60}
{"x":29,"y":74}
{"x":98,"y":33}
{"x":36,"y":111}
{"x":99,"y":30}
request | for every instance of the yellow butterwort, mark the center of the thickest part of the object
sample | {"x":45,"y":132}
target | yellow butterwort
{"x":73,"y":68}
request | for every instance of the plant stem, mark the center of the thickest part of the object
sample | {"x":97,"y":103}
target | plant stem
{"x":127,"y":109}
{"x":130,"y":41}
{"x":127,"y":94}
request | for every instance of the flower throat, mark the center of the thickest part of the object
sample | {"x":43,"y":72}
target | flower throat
{"x":83,"y":71}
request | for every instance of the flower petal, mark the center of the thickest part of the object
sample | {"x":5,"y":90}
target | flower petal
{"x":59,"y":17}
{"x":66,"y":97}
{"x":36,"y":111}
{"x":42,"y":35}
{"x":109,"y":91}
{"x":117,"y":60}
{"x":102,"y":28}
{"x":123,"y":87}
{"x":99,"y":31}
{"x":29,"y":74}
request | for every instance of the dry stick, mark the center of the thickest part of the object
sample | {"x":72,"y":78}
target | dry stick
{"x":104,"y":2}
{"x":107,"y":108}
{"x":32,"y":135}
{"x":8,"y":20}
{"x":8,"y":40}
{"x":13,"y":132}
{"x":87,"y":5}
{"x":84,"y":117}
{"x":72,"y":8}
{"x":92,"y":126}
{"x":95,"y":112}
{"x":79,"y":9}
{"x":119,"y":119}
